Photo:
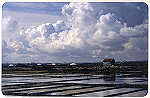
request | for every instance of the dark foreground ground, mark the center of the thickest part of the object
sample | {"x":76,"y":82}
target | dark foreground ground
{"x":91,"y":79}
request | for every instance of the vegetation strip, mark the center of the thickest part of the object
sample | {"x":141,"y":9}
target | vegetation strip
{"x":124,"y":93}
{"x":49,"y":76}
{"x":44,"y":93}
{"x":91,"y":91}
{"x":61,"y":90}
{"x":34,"y":88}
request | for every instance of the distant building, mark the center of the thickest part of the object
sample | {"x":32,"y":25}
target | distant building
{"x":73,"y":64}
{"x":11,"y":65}
{"x":39,"y":64}
{"x":108,"y":61}
{"x":53,"y":64}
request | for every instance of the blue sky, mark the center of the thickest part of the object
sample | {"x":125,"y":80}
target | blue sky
{"x":74,"y":32}
{"x":35,"y":7}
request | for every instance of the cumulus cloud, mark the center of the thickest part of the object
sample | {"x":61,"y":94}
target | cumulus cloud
{"x":85,"y":33}
{"x":137,"y":31}
{"x":9,"y":28}
{"x":9,"y":24}
{"x":60,"y":26}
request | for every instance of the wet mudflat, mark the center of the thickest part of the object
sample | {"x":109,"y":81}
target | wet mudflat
{"x":91,"y":85}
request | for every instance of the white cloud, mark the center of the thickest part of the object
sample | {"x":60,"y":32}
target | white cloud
{"x":60,"y":26}
{"x":84,"y":33}
{"x":9,"y":28}
{"x":136,"y":31}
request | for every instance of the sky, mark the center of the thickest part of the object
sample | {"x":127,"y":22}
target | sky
{"x":50,"y":32}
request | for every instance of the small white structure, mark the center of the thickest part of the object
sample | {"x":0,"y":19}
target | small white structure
{"x":73,"y":64}
{"x":11,"y":65}
{"x":39,"y":64}
{"x":53,"y":64}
